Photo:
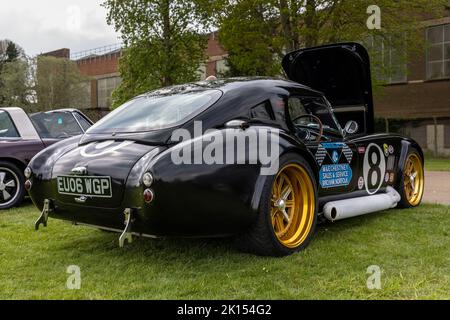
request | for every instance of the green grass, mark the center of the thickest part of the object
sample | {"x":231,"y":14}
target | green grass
{"x":437,"y":164}
{"x":410,"y":246}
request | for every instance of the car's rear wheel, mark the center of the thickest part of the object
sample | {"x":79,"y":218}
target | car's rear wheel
{"x":288,"y":211}
{"x":412,"y":181}
{"x":12,"y":190}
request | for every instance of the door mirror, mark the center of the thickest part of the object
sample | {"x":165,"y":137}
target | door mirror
{"x":237,"y":124}
{"x":351,"y":127}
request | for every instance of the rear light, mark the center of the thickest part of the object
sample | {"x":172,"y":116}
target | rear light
{"x":28,"y":172}
{"x":28,"y":185}
{"x":147,"y":179}
{"x":149,"y":196}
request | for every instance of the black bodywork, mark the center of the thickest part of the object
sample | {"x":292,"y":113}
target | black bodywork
{"x":216,"y":200}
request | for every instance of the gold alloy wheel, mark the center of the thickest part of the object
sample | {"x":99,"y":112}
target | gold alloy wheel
{"x":413,"y":177}
{"x":292,"y":205}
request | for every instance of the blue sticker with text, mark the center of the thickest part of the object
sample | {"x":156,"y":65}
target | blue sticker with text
{"x":335,"y":175}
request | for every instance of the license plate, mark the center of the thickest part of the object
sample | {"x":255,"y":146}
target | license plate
{"x":99,"y":187}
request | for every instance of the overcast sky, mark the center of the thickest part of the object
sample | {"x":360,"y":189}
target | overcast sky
{"x":45,"y":25}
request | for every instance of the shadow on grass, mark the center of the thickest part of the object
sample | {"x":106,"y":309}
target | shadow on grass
{"x":185,"y":250}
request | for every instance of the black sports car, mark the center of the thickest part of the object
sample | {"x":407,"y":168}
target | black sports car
{"x":259,"y":159}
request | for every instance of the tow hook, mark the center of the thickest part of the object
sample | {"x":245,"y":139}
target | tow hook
{"x":48,"y":208}
{"x":127,"y":233}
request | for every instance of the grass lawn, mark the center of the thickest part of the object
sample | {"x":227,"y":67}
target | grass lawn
{"x":437,"y":164}
{"x":410,"y":246}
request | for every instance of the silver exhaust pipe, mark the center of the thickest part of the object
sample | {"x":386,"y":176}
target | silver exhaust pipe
{"x":344,"y":209}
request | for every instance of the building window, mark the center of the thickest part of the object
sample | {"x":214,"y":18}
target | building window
{"x":105,"y":88}
{"x":389,"y":58}
{"x":438,"y":52}
{"x":447,"y":136}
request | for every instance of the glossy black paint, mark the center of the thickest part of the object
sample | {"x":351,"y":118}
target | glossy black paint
{"x":201,"y":200}
{"x":342,"y":73}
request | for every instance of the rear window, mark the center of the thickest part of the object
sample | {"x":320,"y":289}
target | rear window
{"x":7,"y":127}
{"x":147,"y":113}
{"x":56,"y":125}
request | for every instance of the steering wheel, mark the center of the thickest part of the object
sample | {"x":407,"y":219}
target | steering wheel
{"x":319,"y":122}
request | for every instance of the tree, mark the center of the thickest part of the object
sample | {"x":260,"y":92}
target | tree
{"x":14,"y":80}
{"x":258,"y":33}
{"x":59,"y":84}
{"x":163,"y":43}
{"x":14,"y":84}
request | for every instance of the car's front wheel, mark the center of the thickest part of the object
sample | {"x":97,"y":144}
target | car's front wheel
{"x":412,"y":181}
{"x":288,"y":211}
{"x":12,"y":190}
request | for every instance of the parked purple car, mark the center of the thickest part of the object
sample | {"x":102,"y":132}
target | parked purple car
{"x":23,"y":136}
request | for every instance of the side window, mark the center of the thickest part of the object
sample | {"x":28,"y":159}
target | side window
{"x":56,"y":125}
{"x":262,"y":111}
{"x":7,"y":127}
{"x":296,"y":108}
{"x":314,"y":106}
{"x":83,"y":122}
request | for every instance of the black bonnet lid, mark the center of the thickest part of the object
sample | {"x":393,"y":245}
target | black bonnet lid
{"x":340,"y":71}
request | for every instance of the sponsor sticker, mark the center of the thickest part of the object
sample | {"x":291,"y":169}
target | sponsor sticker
{"x":374,"y":168}
{"x":334,"y":160}
{"x":386,"y":150}
{"x":335,"y":175}
{"x":392,"y":177}
{"x":391,"y":150}
{"x":360,"y":183}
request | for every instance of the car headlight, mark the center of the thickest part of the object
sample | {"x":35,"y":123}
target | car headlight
{"x":147,"y":179}
{"x":28,"y":172}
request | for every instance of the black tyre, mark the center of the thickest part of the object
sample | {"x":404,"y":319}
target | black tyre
{"x":287,"y":215}
{"x":12,"y":189}
{"x":412,"y":181}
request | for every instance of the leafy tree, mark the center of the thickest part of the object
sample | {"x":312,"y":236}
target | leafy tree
{"x":14,"y":84}
{"x":258,"y":33}
{"x":14,"y":89}
{"x":163,"y":42}
{"x":59,"y":84}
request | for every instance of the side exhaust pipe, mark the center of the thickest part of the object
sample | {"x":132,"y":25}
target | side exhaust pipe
{"x":343,"y":209}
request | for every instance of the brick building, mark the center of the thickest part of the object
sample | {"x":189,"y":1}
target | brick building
{"x":101,"y":66}
{"x":420,"y":96}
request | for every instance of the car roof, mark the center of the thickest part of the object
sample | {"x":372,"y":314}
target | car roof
{"x":233,"y":84}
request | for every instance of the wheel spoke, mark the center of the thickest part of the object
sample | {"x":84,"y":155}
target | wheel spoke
{"x":6,"y":195}
{"x":2,"y":177}
{"x":10,"y":184}
{"x":286,"y":216}
{"x":286,"y":193}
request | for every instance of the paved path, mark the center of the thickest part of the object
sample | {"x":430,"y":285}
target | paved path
{"x":437,"y":187}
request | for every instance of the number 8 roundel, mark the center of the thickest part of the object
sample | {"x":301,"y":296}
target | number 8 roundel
{"x":374,"y":168}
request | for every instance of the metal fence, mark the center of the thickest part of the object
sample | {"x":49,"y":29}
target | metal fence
{"x":96,"y":52}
